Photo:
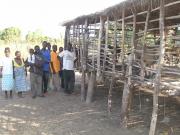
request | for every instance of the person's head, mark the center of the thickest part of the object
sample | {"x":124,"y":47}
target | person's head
{"x":44,"y":44}
{"x":69,"y":47}
{"x":49,"y":46}
{"x":7,"y":51}
{"x":60,"y":49}
{"x":37,"y":49}
{"x":31,"y":51}
{"x":54,"y":47}
{"x":18,"y":54}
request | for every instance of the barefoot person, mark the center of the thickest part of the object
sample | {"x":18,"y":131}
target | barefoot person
{"x":36,"y":63}
{"x":6,"y":69}
{"x":55,"y":68}
{"x":20,"y":74}
{"x":46,"y":66}
{"x":68,"y":68}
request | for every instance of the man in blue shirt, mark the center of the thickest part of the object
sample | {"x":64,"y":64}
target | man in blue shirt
{"x":46,"y":66}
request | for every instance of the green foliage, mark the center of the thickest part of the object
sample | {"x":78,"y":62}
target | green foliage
{"x":37,"y":37}
{"x":34,"y":37}
{"x":10,"y":35}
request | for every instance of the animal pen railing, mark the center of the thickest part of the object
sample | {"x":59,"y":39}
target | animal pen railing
{"x":134,"y":43}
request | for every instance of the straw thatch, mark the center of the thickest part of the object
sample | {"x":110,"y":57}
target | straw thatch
{"x":137,"y":6}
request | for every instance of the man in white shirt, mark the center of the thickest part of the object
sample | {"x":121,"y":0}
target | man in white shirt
{"x":68,"y":68}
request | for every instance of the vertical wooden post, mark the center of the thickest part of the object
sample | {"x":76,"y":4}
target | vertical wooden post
{"x":99,"y":48}
{"x":74,"y":37}
{"x":86,"y":41}
{"x":79,"y":46}
{"x":84,"y":60}
{"x":123,"y":38}
{"x":83,"y":91}
{"x":106,"y":45}
{"x":144,"y":43}
{"x":66,"y":38}
{"x":114,"y":68}
{"x":158,"y":75}
{"x":127,"y":92}
{"x":91,"y":87}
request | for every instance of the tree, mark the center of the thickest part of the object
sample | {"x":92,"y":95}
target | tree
{"x":35,"y":37}
{"x":11,"y":35}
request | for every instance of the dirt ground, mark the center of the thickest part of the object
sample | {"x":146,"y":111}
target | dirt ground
{"x":61,"y":114}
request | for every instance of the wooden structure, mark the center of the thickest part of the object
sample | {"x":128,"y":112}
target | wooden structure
{"x":129,"y":43}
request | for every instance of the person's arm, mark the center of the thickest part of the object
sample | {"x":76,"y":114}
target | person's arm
{"x":49,"y":57}
{"x":61,"y":54}
{"x":73,"y":56}
{"x":52,"y":65}
{"x":13,"y":68}
{"x":30,"y":62}
{"x":25,"y":69}
{"x":1,"y":66}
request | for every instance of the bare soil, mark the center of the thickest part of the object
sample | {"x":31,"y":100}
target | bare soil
{"x":61,"y":114}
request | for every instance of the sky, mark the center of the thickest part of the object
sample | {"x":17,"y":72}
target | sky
{"x":46,"y":15}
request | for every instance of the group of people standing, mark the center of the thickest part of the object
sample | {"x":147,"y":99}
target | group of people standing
{"x":43,"y":64}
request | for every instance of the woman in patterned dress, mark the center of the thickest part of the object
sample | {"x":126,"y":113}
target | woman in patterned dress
{"x":20,"y":74}
{"x":6,"y":69}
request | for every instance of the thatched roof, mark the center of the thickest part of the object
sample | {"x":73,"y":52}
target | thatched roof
{"x":130,"y":5}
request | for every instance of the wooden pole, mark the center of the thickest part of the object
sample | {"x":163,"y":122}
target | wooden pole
{"x":123,"y":38}
{"x":127,"y":92}
{"x":86,"y":41}
{"x":91,"y":87}
{"x":79,"y":46}
{"x":114,"y":67}
{"x":106,"y":45}
{"x":99,"y":48}
{"x":158,"y":75}
{"x":74,"y":38}
{"x":66,"y":38}
{"x":84,"y":59}
{"x":83,"y":91}
{"x":144,"y":43}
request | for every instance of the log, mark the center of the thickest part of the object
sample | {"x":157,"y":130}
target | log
{"x":66,"y":39}
{"x":158,"y":75}
{"x":110,"y":95}
{"x":106,"y":45}
{"x":125,"y":106}
{"x":99,"y":48}
{"x":84,"y":59}
{"x":91,"y":87}
{"x":83,"y":90}
{"x":123,"y":38}
{"x":127,"y":92}
{"x":144,"y":43}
